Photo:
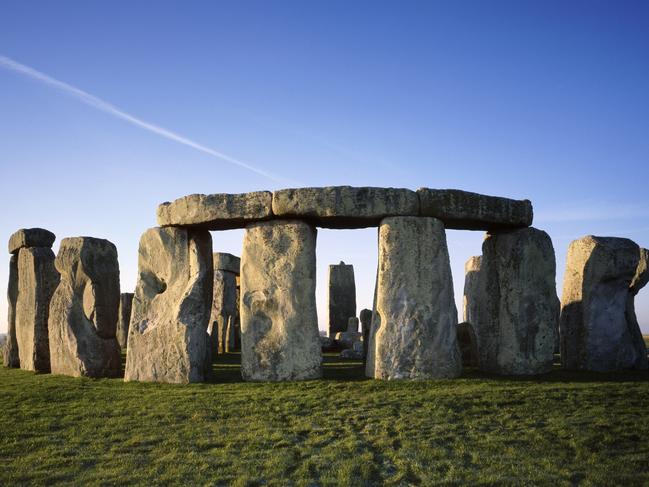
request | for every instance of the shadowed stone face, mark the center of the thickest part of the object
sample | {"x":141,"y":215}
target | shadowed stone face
{"x":30,"y":237}
{"x":124,"y":319}
{"x":413,"y":329}
{"x":279,"y":323}
{"x":342,"y":297}
{"x":37,"y":280}
{"x":10,"y":357}
{"x":168,"y":339}
{"x":512,"y":302}
{"x":224,"y":307}
{"x":599,"y":330}
{"x":83,"y":310}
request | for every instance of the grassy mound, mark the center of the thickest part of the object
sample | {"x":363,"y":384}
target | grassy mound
{"x":559,"y":429}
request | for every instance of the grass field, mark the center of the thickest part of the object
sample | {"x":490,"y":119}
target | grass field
{"x":559,"y":429}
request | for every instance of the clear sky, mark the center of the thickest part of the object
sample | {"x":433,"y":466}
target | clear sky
{"x":541,"y":100}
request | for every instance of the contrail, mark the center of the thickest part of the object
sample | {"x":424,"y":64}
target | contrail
{"x":106,"y":107}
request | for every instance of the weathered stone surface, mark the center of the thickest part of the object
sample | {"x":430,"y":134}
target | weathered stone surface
{"x":344,"y":206}
{"x":10,"y":356}
{"x":341,"y":297}
{"x":413,"y":329}
{"x":83,"y":310}
{"x":167,"y":340}
{"x":352,"y":324}
{"x":37,"y":280}
{"x":516,"y":304}
{"x":472,"y":211}
{"x":366,"y":326}
{"x":216,"y":211}
{"x":124,"y":319}
{"x":279,"y":323}
{"x":352,"y":354}
{"x":226,"y":262}
{"x":346,"y":339}
{"x":224,"y":307}
{"x":598,"y":328}
{"x":30,"y":237}
{"x":468,"y":344}
{"x":473,"y":288}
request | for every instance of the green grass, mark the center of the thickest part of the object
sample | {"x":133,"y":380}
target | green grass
{"x":559,"y":429}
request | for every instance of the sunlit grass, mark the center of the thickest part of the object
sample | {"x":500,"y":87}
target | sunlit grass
{"x":561,"y":429}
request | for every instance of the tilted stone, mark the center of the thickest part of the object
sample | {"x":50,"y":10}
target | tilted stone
{"x":341,"y":296}
{"x":10,"y":356}
{"x":83,"y":310}
{"x":216,"y":211}
{"x":124,"y":319}
{"x":598,"y":328}
{"x":37,"y":281}
{"x":413,"y":330}
{"x":224,"y":306}
{"x":344,"y":206}
{"x":167,"y":340}
{"x":472,"y":211}
{"x":516,"y":303}
{"x":226,"y":262}
{"x":279,"y":323}
{"x":30,"y":237}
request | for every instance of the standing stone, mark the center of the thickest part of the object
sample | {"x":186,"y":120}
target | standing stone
{"x":366,"y":326}
{"x":10,"y":356}
{"x":83,"y":311}
{"x":516,"y":306}
{"x":413,"y":329}
{"x":342,"y":297}
{"x":468,"y":344}
{"x":124,"y":318}
{"x":279,"y":322}
{"x":224,"y":303}
{"x":167,"y":340}
{"x":37,"y":280}
{"x":473,"y":288}
{"x":599,"y":331}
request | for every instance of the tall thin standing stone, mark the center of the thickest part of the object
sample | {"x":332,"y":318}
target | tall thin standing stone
{"x":124,"y":319}
{"x":10,"y":356}
{"x":279,"y":322}
{"x":413,"y":329}
{"x":168,"y":340}
{"x":342,"y":297}
{"x":224,"y":303}
{"x":366,"y":326}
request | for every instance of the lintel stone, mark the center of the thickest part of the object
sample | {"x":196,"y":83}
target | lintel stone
{"x":30,"y":237}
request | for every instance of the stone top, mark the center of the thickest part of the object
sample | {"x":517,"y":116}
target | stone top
{"x":226,"y":262}
{"x":30,"y":237}
{"x":347,"y":207}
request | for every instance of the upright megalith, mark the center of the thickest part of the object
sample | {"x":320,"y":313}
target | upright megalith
{"x":10,"y":356}
{"x":224,"y":320}
{"x":83,"y":311}
{"x":413,"y":327}
{"x":37,"y":280}
{"x":473,"y":288}
{"x":514,"y":306}
{"x":167,"y":340}
{"x":341,"y":297}
{"x":366,"y":326}
{"x":598,"y":328}
{"x":124,"y":319}
{"x":279,"y":322}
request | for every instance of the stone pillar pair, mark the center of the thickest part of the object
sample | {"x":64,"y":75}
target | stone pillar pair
{"x":224,"y":328}
{"x":510,"y":302}
{"x":32,"y":280}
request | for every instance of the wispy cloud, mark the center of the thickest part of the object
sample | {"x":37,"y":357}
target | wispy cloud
{"x":110,"y":109}
{"x":591,"y":212}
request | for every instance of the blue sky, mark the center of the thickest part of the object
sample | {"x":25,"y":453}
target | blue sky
{"x":540,"y":100}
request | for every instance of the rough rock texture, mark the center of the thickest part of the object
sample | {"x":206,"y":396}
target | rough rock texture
{"x":344,"y":206}
{"x":226,"y":262}
{"x":30,"y":237}
{"x":346,"y":339}
{"x":468,"y":344}
{"x":124,"y":319}
{"x":37,"y":280}
{"x":472,"y":211}
{"x":83,"y":310}
{"x":216,"y":211}
{"x":341,"y":297}
{"x":352,"y":324}
{"x":224,"y":307}
{"x":167,"y":339}
{"x":473,"y":288}
{"x":351,"y":353}
{"x":599,"y":331}
{"x":413,"y":329}
{"x":517,"y":305}
{"x":366,"y":326}
{"x":10,"y":356}
{"x":279,"y":324}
